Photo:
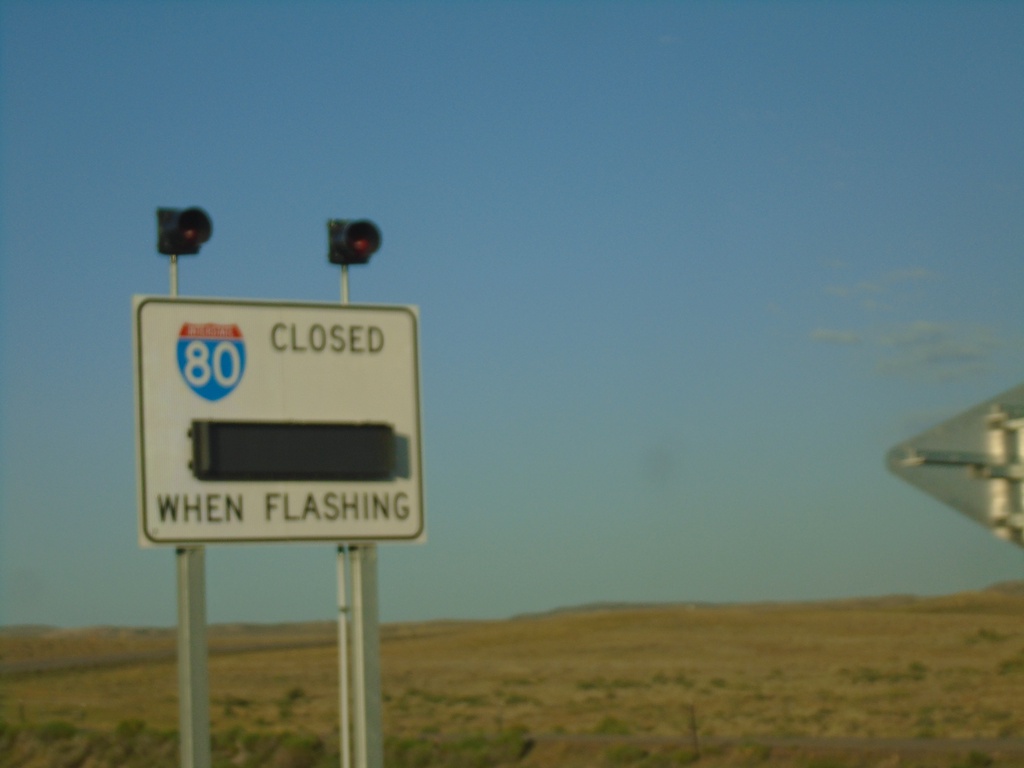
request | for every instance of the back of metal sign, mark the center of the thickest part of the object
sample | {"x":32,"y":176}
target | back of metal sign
{"x":973,"y":463}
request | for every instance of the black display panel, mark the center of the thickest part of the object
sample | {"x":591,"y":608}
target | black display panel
{"x":248,"y":450}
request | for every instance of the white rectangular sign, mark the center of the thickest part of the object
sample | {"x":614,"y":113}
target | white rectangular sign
{"x":207,"y":370}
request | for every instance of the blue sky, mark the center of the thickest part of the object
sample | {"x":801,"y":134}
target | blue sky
{"x":686,"y":271}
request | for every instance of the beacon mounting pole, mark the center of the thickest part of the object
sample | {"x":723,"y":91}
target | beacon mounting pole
{"x":193,"y":680}
{"x":344,"y":716}
{"x":183,"y":232}
{"x":369,"y":742}
{"x":354,"y":242}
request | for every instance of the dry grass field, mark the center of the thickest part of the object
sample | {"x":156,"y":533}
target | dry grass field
{"x":590,"y":685}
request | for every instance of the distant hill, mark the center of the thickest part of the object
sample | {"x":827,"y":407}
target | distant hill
{"x":1013,"y":588}
{"x":1008,"y":588}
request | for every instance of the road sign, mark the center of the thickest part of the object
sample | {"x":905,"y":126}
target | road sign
{"x":268,"y":421}
{"x":974,"y":463}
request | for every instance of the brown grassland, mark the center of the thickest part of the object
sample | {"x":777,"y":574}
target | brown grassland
{"x":650,"y":686}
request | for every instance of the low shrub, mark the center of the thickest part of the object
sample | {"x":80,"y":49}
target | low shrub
{"x":624,"y":754}
{"x":55,"y":730}
{"x":129,"y":729}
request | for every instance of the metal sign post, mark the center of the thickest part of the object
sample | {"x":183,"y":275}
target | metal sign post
{"x":369,"y":746}
{"x":193,"y":679}
{"x":369,"y":727}
{"x":344,"y":722}
{"x":343,"y":619}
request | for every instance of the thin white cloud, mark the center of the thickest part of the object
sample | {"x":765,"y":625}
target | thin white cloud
{"x":912,"y":275}
{"x":936,"y":351}
{"x":916,"y":334}
{"x":868,"y":291}
{"x":919,"y":350}
{"x":831,"y":336}
{"x":854,"y":291}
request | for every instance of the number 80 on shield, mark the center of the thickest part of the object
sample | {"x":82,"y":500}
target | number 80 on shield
{"x":211,"y":358}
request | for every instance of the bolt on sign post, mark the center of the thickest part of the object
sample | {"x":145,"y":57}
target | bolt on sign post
{"x":973,"y":462}
{"x":265,"y":421}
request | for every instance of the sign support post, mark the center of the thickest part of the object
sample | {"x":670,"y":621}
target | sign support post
{"x":344,"y":741}
{"x":366,"y":630}
{"x":369,"y":745}
{"x":193,"y":681}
